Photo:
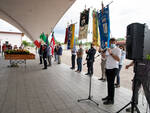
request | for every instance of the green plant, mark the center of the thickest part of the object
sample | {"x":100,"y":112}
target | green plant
{"x":25,"y":43}
{"x":28,"y":44}
{"x":120,"y":39}
{"x":21,"y":51}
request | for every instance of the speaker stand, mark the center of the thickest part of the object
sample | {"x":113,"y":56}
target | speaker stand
{"x":132,"y":102}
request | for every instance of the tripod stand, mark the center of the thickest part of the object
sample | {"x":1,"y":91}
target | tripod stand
{"x":132,"y":102}
{"x":89,"y":97}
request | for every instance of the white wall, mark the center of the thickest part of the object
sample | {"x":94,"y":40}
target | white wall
{"x":13,"y":39}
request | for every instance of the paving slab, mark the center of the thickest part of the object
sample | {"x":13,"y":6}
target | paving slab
{"x":29,"y":89}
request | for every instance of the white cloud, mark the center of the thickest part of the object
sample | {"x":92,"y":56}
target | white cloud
{"x":60,"y":37}
{"x":122,"y":13}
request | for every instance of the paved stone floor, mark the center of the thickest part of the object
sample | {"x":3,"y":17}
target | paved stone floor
{"x":29,"y":89}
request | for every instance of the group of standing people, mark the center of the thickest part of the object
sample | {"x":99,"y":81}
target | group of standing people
{"x":45,"y":54}
{"x":112,"y":61}
{"x":89,"y":58}
{"x":8,"y":46}
{"x":79,"y":54}
{"x":58,"y":53}
{"x":103,"y":64}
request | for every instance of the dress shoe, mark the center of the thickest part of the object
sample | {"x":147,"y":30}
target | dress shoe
{"x":108,"y":102}
{"x":117,"y":85}
{"x":104,"y":80}
{"x":100,"y":79}
{"x":44,"y":68}
{"x":77,"y":71}
{"x":87,"y":74}
{"x":71,"y":68}
{"x":106,"y":98}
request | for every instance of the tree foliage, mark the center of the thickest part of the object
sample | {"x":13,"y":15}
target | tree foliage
{"x":27,"y":44}
{"x":120,"y":39}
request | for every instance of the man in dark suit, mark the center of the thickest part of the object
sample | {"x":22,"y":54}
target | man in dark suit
{"x":40,"y":51}
{"x":45,"y":56}
{"x":90,"y":59}
{"x":59,"y":53}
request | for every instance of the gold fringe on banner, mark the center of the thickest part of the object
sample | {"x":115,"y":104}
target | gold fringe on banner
{"x":72,"y":38}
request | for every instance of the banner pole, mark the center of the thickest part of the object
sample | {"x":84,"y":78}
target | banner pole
{"x":109,"y":3}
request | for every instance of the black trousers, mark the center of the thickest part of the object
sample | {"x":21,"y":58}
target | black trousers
{"x":45,"y":62}
{"x":49,"y":60}
{"x":40,"y":59}
{"x":73,"y":57}
{"x":90,"y":67}
{"x":111,"y":73}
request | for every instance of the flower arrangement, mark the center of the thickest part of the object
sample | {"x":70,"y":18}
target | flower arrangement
{"x":17,"y":51}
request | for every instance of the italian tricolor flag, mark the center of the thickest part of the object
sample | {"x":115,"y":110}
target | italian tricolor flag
{"x":52,"y":43}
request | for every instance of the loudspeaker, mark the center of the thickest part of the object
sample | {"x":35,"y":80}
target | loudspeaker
{"x":138,"y":41}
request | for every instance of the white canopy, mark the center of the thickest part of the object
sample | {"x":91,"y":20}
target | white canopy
{"x":34,"y":16}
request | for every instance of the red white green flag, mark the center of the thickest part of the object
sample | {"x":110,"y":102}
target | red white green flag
{"x":52,"y":43}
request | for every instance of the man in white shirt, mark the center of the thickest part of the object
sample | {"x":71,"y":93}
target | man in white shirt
{"x":49,"y":55}
{"x":113,"y":55}
{"x":73,"y":57}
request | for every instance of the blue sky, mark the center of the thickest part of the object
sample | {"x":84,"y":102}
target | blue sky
{"x":122,"y":13}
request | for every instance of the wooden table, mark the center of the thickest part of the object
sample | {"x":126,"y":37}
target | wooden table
{"x":19,"y":58}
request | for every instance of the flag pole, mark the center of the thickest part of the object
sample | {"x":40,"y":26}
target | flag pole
{"x":75,"y":23}
{"x":109,"y":4}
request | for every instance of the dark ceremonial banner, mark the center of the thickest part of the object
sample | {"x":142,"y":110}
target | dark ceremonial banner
{"x":104,"y":26}
{"x":66,"y":36}
{"x":84,"y":21}
{"x":69,"y":36}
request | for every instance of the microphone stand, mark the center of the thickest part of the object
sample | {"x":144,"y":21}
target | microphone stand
{"x":89,"y":97}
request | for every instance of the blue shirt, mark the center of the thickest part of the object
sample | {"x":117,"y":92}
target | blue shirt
{"x":73,"y":51}
{"x":60,"y":51}
{"x":123,"y":55}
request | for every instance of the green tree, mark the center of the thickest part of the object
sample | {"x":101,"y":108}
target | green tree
{"x":120,"y":39}
{"x":56,"y":42}
{"x":28,"y":44}
{"x":31,"y":44}
{"x":25,"y":43}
